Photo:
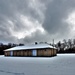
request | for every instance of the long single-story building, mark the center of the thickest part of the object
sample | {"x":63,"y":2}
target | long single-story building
{"x":36,"y":50}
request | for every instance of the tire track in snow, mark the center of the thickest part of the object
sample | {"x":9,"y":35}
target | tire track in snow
{"x":12,"y":72}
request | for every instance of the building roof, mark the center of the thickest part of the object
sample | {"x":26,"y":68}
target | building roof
{"x":26,"y":47}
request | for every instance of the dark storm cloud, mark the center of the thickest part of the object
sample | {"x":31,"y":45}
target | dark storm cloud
{"x":37,"y":37}
{"x":56,"y":12}
{"x":50,"y":15}
{"x":8,"y":11}
{"x":10,"y":17}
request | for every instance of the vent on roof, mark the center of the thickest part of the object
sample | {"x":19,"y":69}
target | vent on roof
{"x":36,"y":43}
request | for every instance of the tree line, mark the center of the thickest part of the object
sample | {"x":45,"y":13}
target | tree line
{"x":7,"y":46}
{"x":67,"y":46}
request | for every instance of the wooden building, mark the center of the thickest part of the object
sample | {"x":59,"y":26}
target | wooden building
{"x":37,"y":50}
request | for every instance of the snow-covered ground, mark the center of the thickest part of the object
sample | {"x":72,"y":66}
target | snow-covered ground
{"x":62,"y":64}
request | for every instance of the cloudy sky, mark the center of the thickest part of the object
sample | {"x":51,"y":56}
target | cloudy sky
{"x":27,"y":21}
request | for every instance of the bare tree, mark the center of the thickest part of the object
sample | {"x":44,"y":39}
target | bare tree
{"x":65,"y":42}
{"x":73,"y":42}
{"x":59,"y":45}
{"x":70,"y":43}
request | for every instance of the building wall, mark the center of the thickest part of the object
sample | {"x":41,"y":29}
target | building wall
{"x":44,"y":52}
{"x":40,"y":52}
{"x":7,"y":53}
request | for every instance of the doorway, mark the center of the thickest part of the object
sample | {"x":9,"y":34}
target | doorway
{"x":34,"y":52}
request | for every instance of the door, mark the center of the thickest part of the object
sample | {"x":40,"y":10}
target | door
{"x":34,"y":53}
{"x":11,"y":53}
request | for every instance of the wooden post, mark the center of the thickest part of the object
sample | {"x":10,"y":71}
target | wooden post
{"x":53,"y":47}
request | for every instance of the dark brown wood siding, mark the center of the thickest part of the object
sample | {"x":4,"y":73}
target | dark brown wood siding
{"x":7,"y":53}
{"x":45,"y":52}
{"x":40,"y":52}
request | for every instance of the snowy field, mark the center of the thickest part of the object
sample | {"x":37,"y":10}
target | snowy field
{"x":59,"y":65}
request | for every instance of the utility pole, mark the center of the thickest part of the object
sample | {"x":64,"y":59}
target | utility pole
{"x":53,"y":46}
{"x":53,"y":43}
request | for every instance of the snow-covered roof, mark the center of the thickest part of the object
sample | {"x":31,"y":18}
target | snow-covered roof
{"x":37,"y":46}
